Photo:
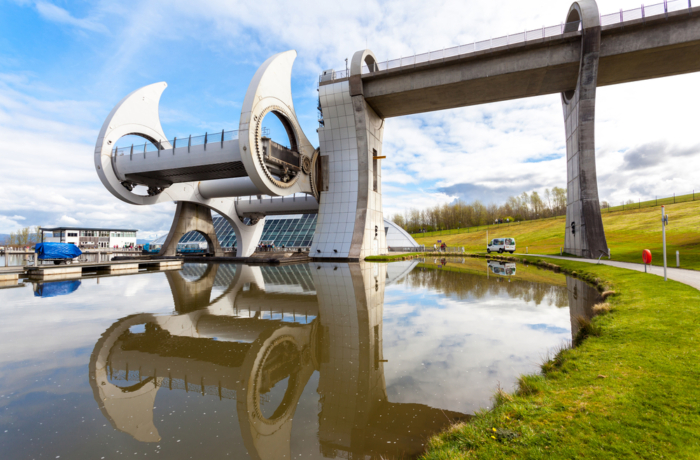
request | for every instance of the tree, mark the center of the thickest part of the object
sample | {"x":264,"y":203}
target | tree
{"x":398,"y":220}
{"x":460,"y":214}
{"x":536,"y":203}
{"x":548,"y":200}
{"x":26,"y":236}
{"x":559,"y":198}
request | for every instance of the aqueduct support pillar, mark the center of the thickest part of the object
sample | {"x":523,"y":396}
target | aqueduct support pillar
{"x":191,"y":217}
{"x":585,"y":235}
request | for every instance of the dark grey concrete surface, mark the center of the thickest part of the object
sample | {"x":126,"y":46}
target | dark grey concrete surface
{"x":584,"y":235}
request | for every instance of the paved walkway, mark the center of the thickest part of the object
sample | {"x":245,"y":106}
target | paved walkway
{"x":689,"y":277}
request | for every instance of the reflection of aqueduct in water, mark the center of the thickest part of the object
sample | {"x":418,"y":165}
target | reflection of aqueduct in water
{"x":239,"y":330}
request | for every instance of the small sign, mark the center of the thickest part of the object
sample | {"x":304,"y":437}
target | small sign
{"x":439,"y":241}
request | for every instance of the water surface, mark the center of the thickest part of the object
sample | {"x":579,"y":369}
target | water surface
{"x":316,"y":361}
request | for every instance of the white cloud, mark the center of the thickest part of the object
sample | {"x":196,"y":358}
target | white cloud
{"x":9,"y":224}
{"x":68,"y":220}
{"x":54,"y":13}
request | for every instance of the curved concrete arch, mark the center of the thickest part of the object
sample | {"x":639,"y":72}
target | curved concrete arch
{"x":363,"y":57}
{"x":585,"y":235}
{"x":270,"y":91}
{"x":585,"y":11}
{"x":137,"y":114}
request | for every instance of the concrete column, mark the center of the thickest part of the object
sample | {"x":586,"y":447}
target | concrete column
{"x":351,"y":221}
{"x":584,"y":236}
{"x":188,"y":217}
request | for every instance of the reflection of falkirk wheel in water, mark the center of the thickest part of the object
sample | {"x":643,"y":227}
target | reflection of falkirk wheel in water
{"x":248,"y":357}
{"x":343,"y":305}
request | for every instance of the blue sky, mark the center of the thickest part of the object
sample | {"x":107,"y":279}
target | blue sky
{"x":64,"y":65}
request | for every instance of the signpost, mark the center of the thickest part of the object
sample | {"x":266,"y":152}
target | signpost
{"x":646,"y":257}
{"x":664,"y":223}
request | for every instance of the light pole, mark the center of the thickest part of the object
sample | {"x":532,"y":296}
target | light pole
{"x":664,"y":223}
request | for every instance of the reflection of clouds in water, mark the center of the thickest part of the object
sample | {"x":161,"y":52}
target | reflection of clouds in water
{"x":68,"y":324}
{"x":451,"y":353}
{"x":136,"y":285}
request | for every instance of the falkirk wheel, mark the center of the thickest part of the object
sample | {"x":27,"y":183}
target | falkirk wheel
{"x":207,"y":174}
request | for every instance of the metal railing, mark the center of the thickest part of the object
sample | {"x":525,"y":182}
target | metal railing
{"x":205,"y":140}
{"x":260,"y":249}
{"x":406,"y":249}
{"x":657,"y":201}
{"x":273,"y":199}
{"x":643,"y":12}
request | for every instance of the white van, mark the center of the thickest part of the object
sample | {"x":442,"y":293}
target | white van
{"x":501,"y":245}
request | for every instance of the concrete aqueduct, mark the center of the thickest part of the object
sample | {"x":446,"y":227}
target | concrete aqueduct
{"x":342,"y":178}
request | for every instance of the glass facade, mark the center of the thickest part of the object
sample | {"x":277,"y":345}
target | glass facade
{"x":288,"y":231}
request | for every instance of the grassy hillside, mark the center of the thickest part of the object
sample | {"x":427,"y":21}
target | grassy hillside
{"x":628,"y":233}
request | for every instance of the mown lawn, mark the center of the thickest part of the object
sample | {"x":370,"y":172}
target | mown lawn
{"x":628,"y":233}
{"x":630,"y":390}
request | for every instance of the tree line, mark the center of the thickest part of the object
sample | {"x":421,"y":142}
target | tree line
{"x":27,"y":236}
{"x":526,"y":206}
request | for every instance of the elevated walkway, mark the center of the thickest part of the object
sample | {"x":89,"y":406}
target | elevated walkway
{"x":189,"y":159}
{"x":650,"y":42}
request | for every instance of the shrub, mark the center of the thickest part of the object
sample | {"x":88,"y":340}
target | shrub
{"x":529,"y":385}
{"x":500,"y":396}
{"x":586,"y":329}
{"x":601,"y":309}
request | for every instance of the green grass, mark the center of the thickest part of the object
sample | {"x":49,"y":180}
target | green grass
{"x":629,"y":390}
{"x":628,"y":233}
